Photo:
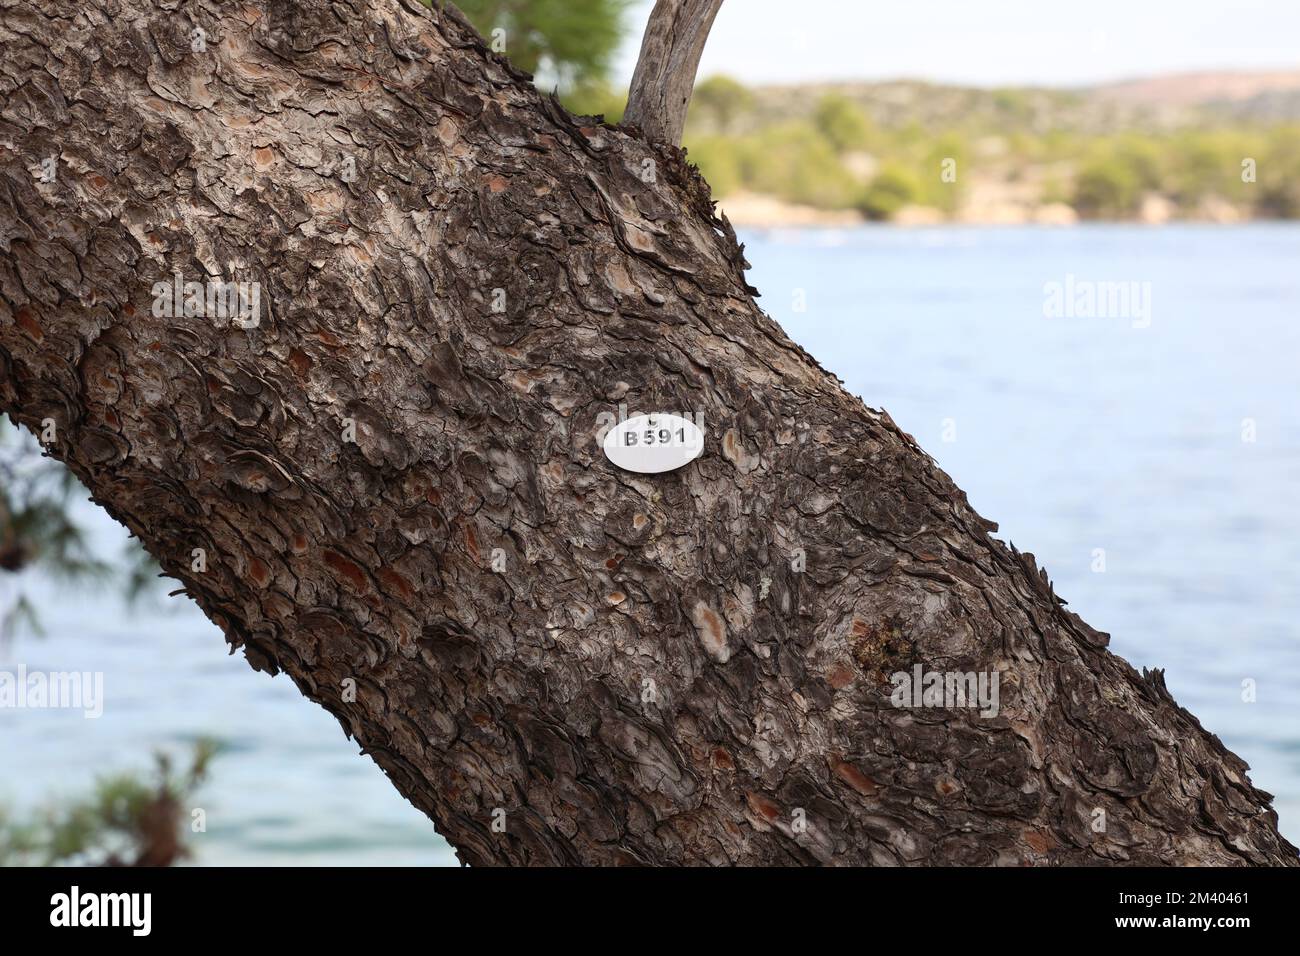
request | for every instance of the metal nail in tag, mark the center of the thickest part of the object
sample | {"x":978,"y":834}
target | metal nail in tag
{"x":654,"y":443}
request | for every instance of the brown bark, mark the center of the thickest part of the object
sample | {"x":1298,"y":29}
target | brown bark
{"x":660,"y":93}
{"x":655,"y":676}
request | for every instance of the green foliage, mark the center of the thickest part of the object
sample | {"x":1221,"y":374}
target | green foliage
{"x":36,"y":527}
{"x":1202,"y":165}
{"x":841,"y":123}
{"x":934,"y":191}
{"x":1014,"y":105}
{"x":720,"y":161}
{"x":126,"y":818}
{"x":778,"y":143}
{"x":1111,"y":182}
{"x":566,"y":43}
{"x":596,"y":98}
{"x":1277,"y":190}
{"x":719,"y":101}
{"x":1144,"y":161}
{"x":1054,"y":191}
{"x":1106,"y":188}
{"x":793,"y":162}
{"x":893,"y":188}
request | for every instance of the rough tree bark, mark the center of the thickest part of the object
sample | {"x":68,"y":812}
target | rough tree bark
{"x":660,"y":94}
{"x":651,"y":678}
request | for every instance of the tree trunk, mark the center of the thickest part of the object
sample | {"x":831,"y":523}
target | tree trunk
{"x":396,"y":483}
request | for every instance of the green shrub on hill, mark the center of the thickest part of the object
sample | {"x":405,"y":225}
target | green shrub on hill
{"x":894,"y":187}
{"x":841,"y":123}
{"x":836,"y":151}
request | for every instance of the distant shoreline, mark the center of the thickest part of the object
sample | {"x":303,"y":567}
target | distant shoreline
{"x":1202,"y":148}
{"x":758,"y":211}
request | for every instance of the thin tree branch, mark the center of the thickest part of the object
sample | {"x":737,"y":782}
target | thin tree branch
{"x":665,"y":71}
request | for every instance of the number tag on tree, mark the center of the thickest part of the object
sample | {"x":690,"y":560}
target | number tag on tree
{"x":655,"y":443}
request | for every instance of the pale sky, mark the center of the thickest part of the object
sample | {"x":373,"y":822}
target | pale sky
{"x":989,"y":42}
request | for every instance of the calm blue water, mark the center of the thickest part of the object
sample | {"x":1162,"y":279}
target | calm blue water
{"x":1075,"y":434}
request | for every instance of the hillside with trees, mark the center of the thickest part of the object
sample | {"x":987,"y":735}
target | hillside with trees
{"x":1216,"y":148}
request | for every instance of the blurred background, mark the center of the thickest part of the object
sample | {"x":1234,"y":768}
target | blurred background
{"x":912,"y":184}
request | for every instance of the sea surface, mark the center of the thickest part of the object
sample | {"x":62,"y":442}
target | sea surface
{"x":1149,"y":456}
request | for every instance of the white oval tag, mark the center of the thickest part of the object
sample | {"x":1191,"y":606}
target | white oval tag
{"x":654,"y":443}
